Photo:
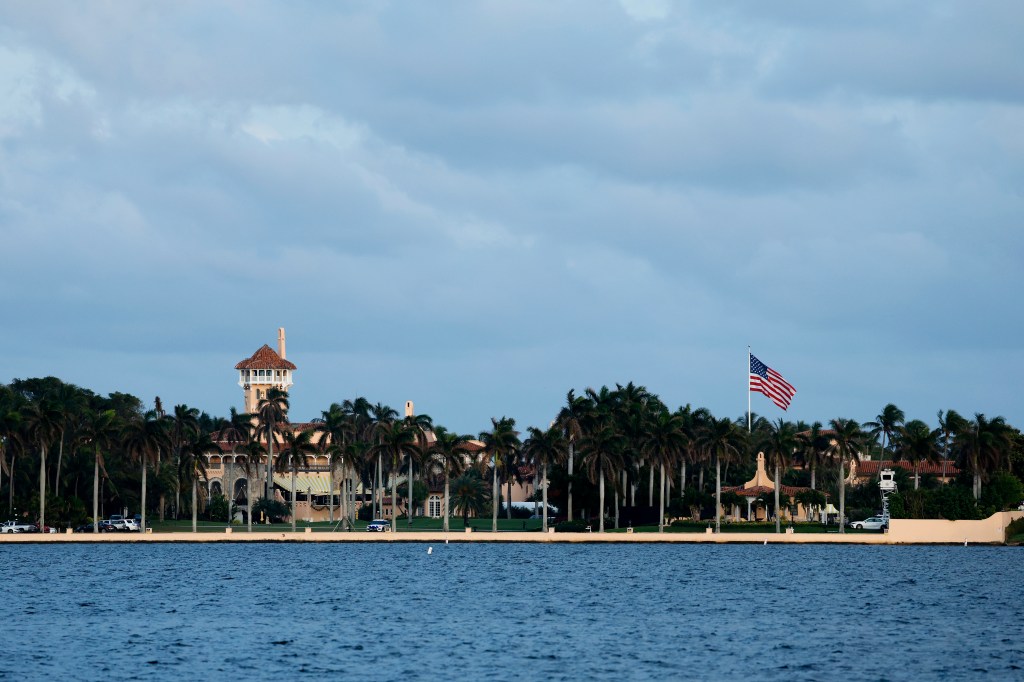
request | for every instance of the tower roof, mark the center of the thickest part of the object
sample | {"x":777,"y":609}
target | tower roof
{"x":265,"y":358}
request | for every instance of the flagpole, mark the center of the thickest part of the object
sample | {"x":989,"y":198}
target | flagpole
{"x":748,"y":389}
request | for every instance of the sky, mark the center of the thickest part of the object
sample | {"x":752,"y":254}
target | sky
{"x":478,"y":206}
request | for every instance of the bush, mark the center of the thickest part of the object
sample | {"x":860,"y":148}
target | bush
{"x":1015,"y":531}
{"x":572,"y":527}
{"x":365,"y":513}
{"x":1004,"y":491}
{"x":275,"y":510}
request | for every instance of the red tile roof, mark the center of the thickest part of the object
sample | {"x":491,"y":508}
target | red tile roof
{"x":265,"y":358}
{"x":871,"y":467}
{"x":790,"y":490}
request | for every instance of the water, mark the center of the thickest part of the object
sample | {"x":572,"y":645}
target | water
{"x":510,"y":612}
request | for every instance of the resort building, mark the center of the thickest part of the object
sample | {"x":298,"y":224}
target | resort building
{"x":760,"y":488}
{"x":321,"y":490}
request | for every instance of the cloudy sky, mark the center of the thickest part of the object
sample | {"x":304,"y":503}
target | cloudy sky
{"x":479,"y":205}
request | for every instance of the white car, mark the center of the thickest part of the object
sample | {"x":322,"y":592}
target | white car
{"x":379,"y":526}
{"x":132,"y":525}
{"x":15,"y":527}
{"x":873,"y":523}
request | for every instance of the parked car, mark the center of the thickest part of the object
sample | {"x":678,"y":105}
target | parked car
{"x":119,"y":524}
{"x":873,"y":523}
{"x":84,"y":528}
{"x":132,"y":525}
{"x":16,"y":527}
{"x":107,"y":526}
{"x":378,"y":526}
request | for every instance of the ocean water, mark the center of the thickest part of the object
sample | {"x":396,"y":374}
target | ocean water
{"x":510,"y":612}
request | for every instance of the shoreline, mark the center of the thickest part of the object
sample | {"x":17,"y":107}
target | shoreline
{"x":432,"y":537}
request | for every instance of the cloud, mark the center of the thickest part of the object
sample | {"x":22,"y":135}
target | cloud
{"x":481,"y":205}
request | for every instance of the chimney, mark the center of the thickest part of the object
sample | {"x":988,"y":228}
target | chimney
{"x":280,"y":342}
{"x":408,"y":408}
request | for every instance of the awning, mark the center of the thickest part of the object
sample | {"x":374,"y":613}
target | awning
{"x":318,"y":485}
{"x":830,"y":509}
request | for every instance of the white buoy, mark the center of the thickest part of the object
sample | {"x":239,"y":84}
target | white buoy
{"x":965,"y":543}
{"x":766,"y":542}
{"x":430,"y":550}
{"x":446,"y":541}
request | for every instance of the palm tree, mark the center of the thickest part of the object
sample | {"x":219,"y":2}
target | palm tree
{"x":142,"y":438}
{"x":544,"y":448}
{"x":193,"y":465}
{"x":271,"y":411}
{"x":396,"y":440}
{"x":602,"y":457}
{"x":950,"y":424}
{"x":378,"y":414}
{"x":886,"y":424}
{"x":812,"y":445}
{"x":337,"y":429}
{"x":663,"y":445}
{"x":847,"y":442}
{"x":983,"y":444}
{"x":499,"y":443}
{"x":101,"y":431}
{"x":41,"y":421}
{"x":184,"y":427}
{"x":448,"y":451}
{"x":779,"y":442}
{"x":69,"y":400}
{"x":721,"y":439}
{"x":422,"y":425}
{"x":253,"y":452}
{"x":916,"y":442}
{"x":469,"y":495}
{"x":297,"y":444}
{"x":571,"y":419}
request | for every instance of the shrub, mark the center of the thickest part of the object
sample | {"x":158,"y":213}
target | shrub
{"x":1015,"y":531}
{"x":275,"y":510}
{"x":365,"y":513}
{"x":1003,"y":491}
{"x":572,"y":527}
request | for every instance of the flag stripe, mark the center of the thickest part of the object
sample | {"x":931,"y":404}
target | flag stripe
{"x":764,"y":379}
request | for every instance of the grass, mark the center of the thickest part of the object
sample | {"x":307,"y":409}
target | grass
{"x":418,"y":525}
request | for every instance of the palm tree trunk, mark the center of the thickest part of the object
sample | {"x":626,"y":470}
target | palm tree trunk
{"x":812,"y":474}
{"x":572,"y":451}
{"x":330,"y":488}
{"x":650,"y":486}
{"x":600,"y":509}
{"x":42,"y":486}
{"x":842,"y":497}
{"x":544,"y":492}
{"x":616,"y":506}
{"x":700,"y":479}
{"x":682,"y":479}
{"x":718,"y":494}
{"x":294,"y":496}
{"x":60,"y":458}
{"x":394,"y":494}
{"x":536,"y":482}
{"x":508,"y":500}
{"x":269,"y":490}
{"x":96,"y":493}
{"x":661,"y":502}
{"x":778,"y":521}
{"x":496,"y":492}
{"x":248,"y":499}
{"x":917,"y":475}
{"x":409,"y":502}
{"x":195,"y":490}
{"x":142,"y":525}
{"x":446,"y":507}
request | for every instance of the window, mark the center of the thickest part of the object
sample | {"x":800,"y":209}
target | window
{"x":434,"y":506}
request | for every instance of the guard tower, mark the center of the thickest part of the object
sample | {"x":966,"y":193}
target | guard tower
{"x":887,"y":486}
{"x":263,"y":370}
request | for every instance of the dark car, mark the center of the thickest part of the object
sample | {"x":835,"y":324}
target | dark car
{"x":84,"y":528}
{"x":107,"y":526}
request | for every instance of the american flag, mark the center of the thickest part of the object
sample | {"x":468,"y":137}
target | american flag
{"x":764,"y":379}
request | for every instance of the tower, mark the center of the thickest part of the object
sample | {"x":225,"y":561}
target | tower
{"x":263,"y":370}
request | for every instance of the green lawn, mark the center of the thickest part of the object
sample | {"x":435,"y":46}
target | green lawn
{"x":418,"y":524}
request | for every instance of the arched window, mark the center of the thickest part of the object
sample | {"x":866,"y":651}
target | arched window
{"x":434,"y":506}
